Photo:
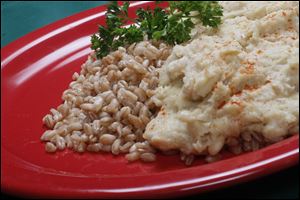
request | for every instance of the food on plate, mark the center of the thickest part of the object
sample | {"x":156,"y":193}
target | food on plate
{"x":185,"y":80}
{"x":108,"y":104}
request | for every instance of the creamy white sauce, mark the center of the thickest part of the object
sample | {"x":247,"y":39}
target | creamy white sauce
{"x":242,"y":77}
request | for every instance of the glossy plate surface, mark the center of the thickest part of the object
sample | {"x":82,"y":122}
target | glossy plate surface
{"x":35,"y":70}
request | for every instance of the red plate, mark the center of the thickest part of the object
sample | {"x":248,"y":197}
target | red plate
{"x":35,"y":70}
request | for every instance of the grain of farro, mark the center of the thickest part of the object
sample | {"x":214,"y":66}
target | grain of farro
{"x":132,"y":156}
{"x":115,"y":148}
{"x":47,"y":135}
{"x":60,"y":142}
{"x":126,"y":130}
{"x":148,"y":157}
{"x":75,"y":126}
{"x":93,"y":139}
{"x":140,"y":93}
{"x":75,"y":136}
{"x":254,"y":145}
{"x":94,"y":147}
{"x":112,"y":107}
{"x":125,"y":148}
{"x":68,"y":141}
{"x":48,"y":121}
{"x":130,"y":137}
{"x":87,"y":129}
{"x":246,"y":136}
{"x":105,"y":121}
{"x":50,"y":147}
{"x":84,"y":137}
{"x":189,"y":159}
{"x":107,"y":139}
{"x":247,"y":146}
{"x":81,"y":147}
{"x":135,"y":121}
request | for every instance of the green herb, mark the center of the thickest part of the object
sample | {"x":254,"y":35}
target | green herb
{"x":172,"y":25}
{"x":112,"y":36}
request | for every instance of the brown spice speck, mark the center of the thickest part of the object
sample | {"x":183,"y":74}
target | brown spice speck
{"x":268,"y":81}
{"x":235,"y":102}
{"x":226,"y":74}
{"x":221,"y":105}
{"x":233,"y":90}
{"x":238,"y":93}
{"x":215,"y":87}
{"x":250,"y":87}
{"x":151,"y":127}
{"x":283,"y":13}
{"x":162,"y":111}
{"x":249,"y":68}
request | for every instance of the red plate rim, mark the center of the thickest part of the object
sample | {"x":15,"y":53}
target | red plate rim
{"x":272,"y":162}
{"x":180,"y":182}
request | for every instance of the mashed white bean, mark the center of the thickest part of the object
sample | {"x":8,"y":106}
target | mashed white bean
{"x":241,"y":80}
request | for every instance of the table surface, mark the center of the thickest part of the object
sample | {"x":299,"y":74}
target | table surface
{"x":19,"y":18}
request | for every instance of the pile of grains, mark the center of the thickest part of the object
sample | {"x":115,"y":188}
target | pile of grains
{"x":109,"y":104}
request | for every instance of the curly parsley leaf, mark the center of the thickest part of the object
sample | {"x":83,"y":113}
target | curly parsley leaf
{"x":172,"y":25}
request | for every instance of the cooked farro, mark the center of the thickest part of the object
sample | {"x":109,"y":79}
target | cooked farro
{"x":106,"y":107}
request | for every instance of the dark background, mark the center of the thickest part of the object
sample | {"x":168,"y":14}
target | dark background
{"x":19,"y":18}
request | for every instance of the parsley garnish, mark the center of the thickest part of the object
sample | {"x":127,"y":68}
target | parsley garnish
{"x":172,"y":25}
